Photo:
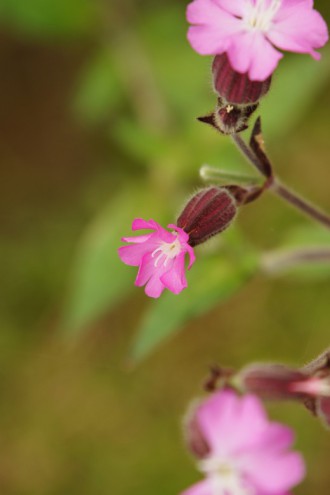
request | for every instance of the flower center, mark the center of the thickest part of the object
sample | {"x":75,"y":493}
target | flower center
{"x":166,"y":251}
{"x":258,"y":17}
{"x":225,"y":477}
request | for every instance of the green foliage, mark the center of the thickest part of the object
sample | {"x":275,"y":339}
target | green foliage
{"x":295,"y":86}
{"x":212,"y":280}
{"x":49,"y":17}
{"x":99,"y":90}
{"x":157,"y":86}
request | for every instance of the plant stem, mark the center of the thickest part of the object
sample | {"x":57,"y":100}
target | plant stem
{"x":278,"y":261}
{"x":281,"y":190}
{"x":247,"y":152}
{"x":300,"y":203}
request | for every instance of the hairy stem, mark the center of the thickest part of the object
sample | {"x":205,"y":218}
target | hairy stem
{"x":247,"y":152}
{"x":300,"y":203}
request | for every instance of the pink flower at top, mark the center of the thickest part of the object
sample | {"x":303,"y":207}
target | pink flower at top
{"x":160,"y":256}
{"x":249,"y":30}
{"x":240,"y":451}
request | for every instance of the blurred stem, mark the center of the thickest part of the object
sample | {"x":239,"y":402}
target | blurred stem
{"x":280,"y":189}
{"x":300,"y":203}
{"x":278,"y":261}
{"x":134,"y":65}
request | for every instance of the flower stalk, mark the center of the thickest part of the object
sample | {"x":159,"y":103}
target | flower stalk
{"x":281,"y":260}
{"x":256,"y":155}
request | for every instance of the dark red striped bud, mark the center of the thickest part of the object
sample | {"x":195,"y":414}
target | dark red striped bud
{"x":234,"y":87}
{"x":273,"y":381}
{"x":208,"y":212}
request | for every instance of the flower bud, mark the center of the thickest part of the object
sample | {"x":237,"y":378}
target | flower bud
{"x":208,"y":212}
{"x":273,"y":381}
{"x":229,"y":118}
{"x":323,"y":410}
{"x":234,"y":87}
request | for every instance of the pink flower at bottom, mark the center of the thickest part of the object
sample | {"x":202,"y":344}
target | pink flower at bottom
{"x":246,"y":454}
{"x":160,"y":256}
{"x":249,"y":30}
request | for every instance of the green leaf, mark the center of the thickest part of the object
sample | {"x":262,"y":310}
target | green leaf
{"x":142,"y":143}
{"x":100,"y":279}
{"x":99,"y":89}
{"x":49,"y":17}
{"x":181,"y":73}
{"x":308,"y":235}
{"x":212,"y":280}
{"x":295,"y":86}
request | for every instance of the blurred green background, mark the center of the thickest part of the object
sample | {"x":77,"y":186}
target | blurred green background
{"x":98,"y":101}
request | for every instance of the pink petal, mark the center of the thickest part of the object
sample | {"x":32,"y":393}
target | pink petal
{"x":147,"y":270}
{"x":160,"y":232}
{"x":289,"y":6}
{"x":300,"y":30}
{"x":192,"y":257}
{"x":132,"y":255}
{"x":201,"y":488}
{"x":206,"y":40}
{"x":229,"y":422}
{"x":234,"y":7}
{"x":251,"y":52}
{"x":276,"y":473}
{"x":209,"y":13}
{"x":182,"y":235}
{"x":140,"y":224}
{"x":138,"y":239}
{"x":150,"y":275}
{"x":154,"y":287}
{"x":274,"y":438}
{"x":213,"y":28}
{"x":175,"y":278}
{"x":184,"y":238}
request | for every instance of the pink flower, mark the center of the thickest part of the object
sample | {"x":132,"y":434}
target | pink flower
{"x":160,"y":256}
{"x":246,"y":454}
{"x":249,"y":30}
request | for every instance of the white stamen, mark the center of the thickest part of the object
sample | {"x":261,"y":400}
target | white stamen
{"x":225,"y":477}
{"x":259,"y":17}
{"x":169,"y":250}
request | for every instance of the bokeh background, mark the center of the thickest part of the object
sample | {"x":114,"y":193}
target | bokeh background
{"x":98,"y":101}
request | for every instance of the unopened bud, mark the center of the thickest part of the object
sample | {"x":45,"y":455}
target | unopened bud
{"x":272,"y":381}
{"x":208,"y":212}
{"x":234,"y":87}
{"x":322,"y":410}
{"x":229,"y":118}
